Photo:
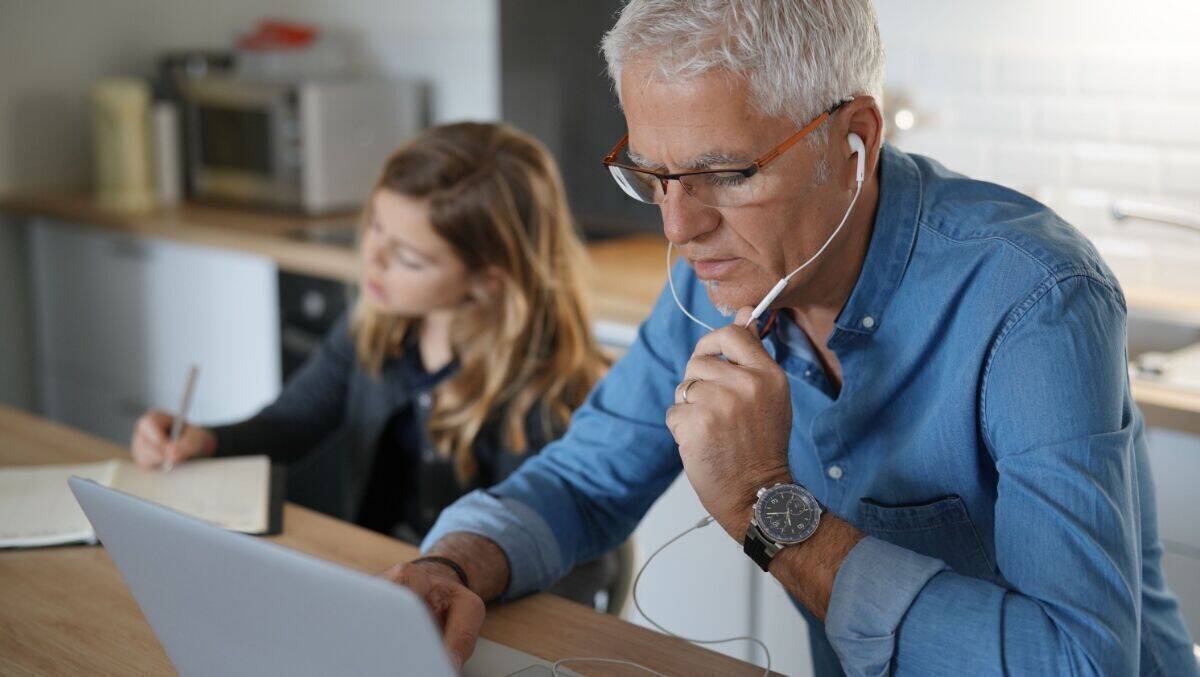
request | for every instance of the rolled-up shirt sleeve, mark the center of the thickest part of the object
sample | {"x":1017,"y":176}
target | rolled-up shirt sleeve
{"x":521,"y":533}
{"x":875,"y":586}
{"x":1060,"y":425}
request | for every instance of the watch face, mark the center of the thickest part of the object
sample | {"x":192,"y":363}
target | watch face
{"x":787,"y":513}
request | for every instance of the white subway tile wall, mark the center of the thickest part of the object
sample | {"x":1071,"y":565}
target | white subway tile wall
{"x":1183,"y":75}
{"x":1181,"y":173}
{"x":1118,"y":167}
{"x":1076,"y":120}
{"x":1034,"y":125}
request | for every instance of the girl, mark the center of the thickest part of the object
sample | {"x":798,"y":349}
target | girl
{"x":468,"y":349}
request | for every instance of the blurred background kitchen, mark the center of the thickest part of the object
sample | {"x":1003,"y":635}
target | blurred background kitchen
{"x":178,"y":183}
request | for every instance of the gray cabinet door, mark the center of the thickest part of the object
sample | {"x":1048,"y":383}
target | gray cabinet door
{"x":119,"y":318}
{"x":1175,"y":463}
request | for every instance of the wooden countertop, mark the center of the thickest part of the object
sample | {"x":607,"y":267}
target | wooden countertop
{"x":1167,"y":407}
{"x":66,"y":610}
{"x":626,"y":275}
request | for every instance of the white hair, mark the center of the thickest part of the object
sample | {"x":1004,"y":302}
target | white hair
{"x":799,"y":57}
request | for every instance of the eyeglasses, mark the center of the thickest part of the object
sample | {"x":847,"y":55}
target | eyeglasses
{"x":711,"y":187}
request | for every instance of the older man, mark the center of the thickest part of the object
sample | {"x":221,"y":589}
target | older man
{"x":928,"y":437}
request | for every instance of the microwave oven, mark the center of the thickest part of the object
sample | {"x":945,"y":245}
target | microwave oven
{"x":308,"y":146}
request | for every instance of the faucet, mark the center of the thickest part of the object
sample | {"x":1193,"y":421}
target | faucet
{"x":1146,"y":211}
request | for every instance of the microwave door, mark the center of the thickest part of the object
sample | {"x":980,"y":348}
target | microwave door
{"x":236,"y":140}
{"x":243,"y":145}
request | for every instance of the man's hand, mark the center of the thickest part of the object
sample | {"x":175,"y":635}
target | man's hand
{"x":459,"y":612}
{"x":732,"y":427}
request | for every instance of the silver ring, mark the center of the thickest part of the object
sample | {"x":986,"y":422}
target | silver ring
{"x":681,"y":390}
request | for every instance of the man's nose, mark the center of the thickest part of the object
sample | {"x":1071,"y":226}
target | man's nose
{"x":684,"y":218}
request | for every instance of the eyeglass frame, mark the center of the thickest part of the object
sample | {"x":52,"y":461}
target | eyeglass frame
{"x":610,"y":160}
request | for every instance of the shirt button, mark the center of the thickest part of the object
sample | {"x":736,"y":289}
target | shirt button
{"x":868,"y":322}
{"x":808,"y":373}
{"x":834,"y":472}
{"x":424,"y":400}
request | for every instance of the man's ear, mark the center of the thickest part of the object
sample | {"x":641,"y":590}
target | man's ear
{"x":865,"y":119}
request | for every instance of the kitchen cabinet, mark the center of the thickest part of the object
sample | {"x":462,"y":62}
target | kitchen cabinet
{"x":118,"y":318}
{"x":1182,"y":569}
{"x":1175,"y":465}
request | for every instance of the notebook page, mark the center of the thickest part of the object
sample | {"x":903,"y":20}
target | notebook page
{"x":37,"y":507}
{"x":231,"y":492}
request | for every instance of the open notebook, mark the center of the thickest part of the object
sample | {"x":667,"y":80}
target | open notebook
{"x":37,"y":508}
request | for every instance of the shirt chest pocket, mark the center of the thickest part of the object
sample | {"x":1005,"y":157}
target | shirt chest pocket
{"x":939,"y":528}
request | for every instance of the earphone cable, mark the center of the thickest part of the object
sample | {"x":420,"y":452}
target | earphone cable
{"x":783,"y":283}
{"x":705,"y":521}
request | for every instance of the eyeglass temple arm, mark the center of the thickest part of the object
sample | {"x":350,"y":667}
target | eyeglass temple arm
{"x":791,"y":141}
{"x":612,"y":154}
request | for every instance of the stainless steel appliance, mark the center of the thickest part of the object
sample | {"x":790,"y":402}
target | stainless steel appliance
{"x":310,"y":146}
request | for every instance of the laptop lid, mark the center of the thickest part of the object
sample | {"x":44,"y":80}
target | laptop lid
{"x":231,"y":604}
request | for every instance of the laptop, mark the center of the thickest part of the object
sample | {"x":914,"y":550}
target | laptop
{"x":224,"y":603}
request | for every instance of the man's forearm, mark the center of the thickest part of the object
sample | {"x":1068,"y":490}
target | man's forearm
{"x":485,"y":564}
{"x":808,"y":570}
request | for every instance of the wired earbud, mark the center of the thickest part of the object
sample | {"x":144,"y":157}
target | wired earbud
{"x":856,"y":145}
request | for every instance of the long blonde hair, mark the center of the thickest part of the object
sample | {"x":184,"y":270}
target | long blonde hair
{"x":495,"y":195}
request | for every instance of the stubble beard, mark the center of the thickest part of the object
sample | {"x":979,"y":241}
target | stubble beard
{"x":711,"y":287}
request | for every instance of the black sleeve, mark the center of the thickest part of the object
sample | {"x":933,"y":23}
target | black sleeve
{"x":311,"y":406}
{"x":494,"y":454}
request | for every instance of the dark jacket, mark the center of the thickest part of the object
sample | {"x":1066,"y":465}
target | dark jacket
{"x":331,"y":403}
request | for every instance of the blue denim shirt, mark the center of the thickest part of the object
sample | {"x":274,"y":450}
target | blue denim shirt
{"x":984,"y":438}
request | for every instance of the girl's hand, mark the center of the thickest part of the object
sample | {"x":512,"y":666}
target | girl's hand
{"x":152,"y":446}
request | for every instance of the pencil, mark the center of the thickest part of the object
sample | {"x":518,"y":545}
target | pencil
{"x":181,"y":415}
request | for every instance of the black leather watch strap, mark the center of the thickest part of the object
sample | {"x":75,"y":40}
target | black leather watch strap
{"x":756,"y":548}
{"x":446,"y":561}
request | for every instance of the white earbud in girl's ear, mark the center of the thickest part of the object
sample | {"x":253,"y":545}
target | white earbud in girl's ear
{"x":856,"y":145}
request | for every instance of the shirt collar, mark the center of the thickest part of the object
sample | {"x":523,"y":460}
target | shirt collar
{"x":891,"y":243}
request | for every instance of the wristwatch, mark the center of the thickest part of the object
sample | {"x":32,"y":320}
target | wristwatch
{"x":783,"y":515}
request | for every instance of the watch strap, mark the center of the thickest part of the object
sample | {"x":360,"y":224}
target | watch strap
{"x":450,"y":564}
{"x":755,"y":546}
